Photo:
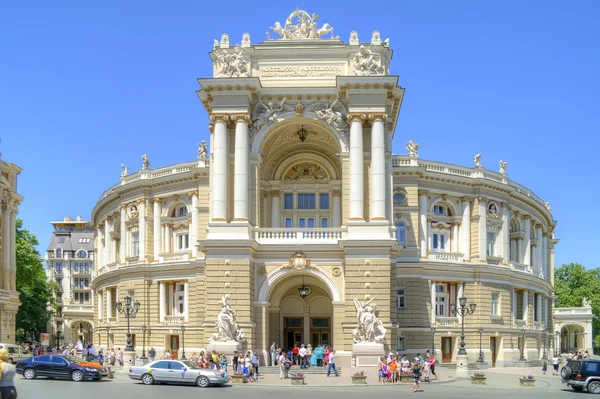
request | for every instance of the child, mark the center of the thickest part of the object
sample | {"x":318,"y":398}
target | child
{"x":426,"y":368}
{"x":224,"y":362}
{"x":544,"y":367}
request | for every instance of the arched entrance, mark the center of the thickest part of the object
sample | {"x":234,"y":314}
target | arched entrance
{"x":80,"y":330}
{"x":295,"y":319}
{"x":572,"y":338}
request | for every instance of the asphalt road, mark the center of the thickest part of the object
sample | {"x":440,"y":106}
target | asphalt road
{"x":123,"y":388}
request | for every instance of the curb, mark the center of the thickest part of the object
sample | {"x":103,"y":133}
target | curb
{"x":451,"y":379}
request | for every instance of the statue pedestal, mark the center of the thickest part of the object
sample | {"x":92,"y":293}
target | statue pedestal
{"x":367,"y":354}
{"x":462,"y":366}
{"x":128,"y":360}
{"x":225,"y":347}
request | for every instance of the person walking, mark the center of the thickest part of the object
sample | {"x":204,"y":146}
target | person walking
{"x":7,"y":376}
{"x":545,"y":367}
{"x":120,"y":356}
{"x":431,"y":361}
{"x":255,"y":364}
{"x":555,"y":361}
{"x":416,"y":375}
{"x":234,"y":362}
{"x":331,"y":364}
{"x":152,"y":353}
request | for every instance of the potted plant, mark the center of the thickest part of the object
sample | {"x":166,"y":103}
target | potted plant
{"x":238,"y":378}
{"x":111,"y":373}
{"x":478,"y":378}
{"x":359,"y":377}
{"x":527,"y":381}
{"x":297,"y":378}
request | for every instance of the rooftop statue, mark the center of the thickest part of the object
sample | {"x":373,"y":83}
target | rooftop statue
{"x":477,"y":160}
{"x":125,"y":171}
{"x":367,"y":62}
{"x":412,"y":148}
{"x":503,"y":167}
{"x":202,"y":150}
{"x":233,"y":64}
{"x":145,"y":162}
{"x":304,"y":28}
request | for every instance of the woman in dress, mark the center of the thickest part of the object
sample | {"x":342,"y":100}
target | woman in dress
{"x":120,"y":356}
{"x":326,"y":357}
{"x":416,"y":376}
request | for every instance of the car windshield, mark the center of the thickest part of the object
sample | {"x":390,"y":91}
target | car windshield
{"x":191,"y":365}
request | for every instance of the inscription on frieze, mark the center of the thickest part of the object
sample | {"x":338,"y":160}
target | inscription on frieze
{"x":308,"y":71}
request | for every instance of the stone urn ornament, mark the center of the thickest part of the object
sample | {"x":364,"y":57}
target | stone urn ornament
{"x":478,"y":378}
{"x":527,"y":381}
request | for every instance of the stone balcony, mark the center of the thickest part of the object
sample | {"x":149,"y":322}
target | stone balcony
{"x":494,"y":260}
{"x":520,"y":323}
{"x":176,"y":320}
{"x":299,"y":236}
{"x":519,"y":267}
{"x":446,"y":257}
{"x":447,"y":321}
{"x":174,"y":257}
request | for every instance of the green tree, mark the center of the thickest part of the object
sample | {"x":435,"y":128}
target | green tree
{"x":33,"y":286}
{"x":572,"y":283}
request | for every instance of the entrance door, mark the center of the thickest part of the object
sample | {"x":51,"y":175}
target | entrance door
{"x":174,"y":347}
{"x":320,"y":331}
{"x":293,"y":332}
{"x":446,"y":349}
{"x":493,"y":348}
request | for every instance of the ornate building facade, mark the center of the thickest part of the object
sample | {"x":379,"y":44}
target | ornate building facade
{"x":301,"y":214}
{"x":9,"y":297}
{"x":70,"y":263}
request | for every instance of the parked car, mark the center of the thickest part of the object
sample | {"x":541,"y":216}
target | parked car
{"x":176,"y":372}
{"x":15,"y":352}
{"x":60,"y":366}
{"x":582,"y":374}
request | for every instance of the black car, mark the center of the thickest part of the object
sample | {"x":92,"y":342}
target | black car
{"x":582,"y":374}
{"x":60,"y":366}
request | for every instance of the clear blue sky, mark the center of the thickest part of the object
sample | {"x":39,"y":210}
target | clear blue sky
{"x":86,"y":86}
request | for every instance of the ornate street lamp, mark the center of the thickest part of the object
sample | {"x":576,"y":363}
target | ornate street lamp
{"x":480,"y":360}
{"x":58,"y":337}
{"x":143,"y":357}
{"x":183,"y":342}
{"x":522,"y":359}
{"x":463,"y":311}
{"x":545,"y":335}
{"x":128,"y":309}
{"x":433,"y":342}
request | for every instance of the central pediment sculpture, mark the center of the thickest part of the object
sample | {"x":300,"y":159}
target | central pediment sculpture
{"x":305,"y":27}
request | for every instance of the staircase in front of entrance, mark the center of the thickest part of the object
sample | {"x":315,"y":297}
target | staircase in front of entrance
{"x":296,"y":369}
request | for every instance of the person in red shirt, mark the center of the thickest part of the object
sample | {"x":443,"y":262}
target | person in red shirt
{"x":295,"y":352}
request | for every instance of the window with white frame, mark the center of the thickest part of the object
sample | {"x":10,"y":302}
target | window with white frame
{"x":400,"y":233}
{"x":495,"y":304}
{"x":400,"y":299}
{"x":441,"y":301}
{"x":180,"y":299}
{"x":182,"y":241}
{"x":180,"y":210}
{"x":440,"y":241}
{"x":491,"y":244}
{"x":439,"y":209}
{"x":401,"y":344}
{"x":59,"y":252}
{"x":135,"y":243}
{"x":324,"y":223}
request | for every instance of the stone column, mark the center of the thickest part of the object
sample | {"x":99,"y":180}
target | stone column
{"x":545,"y":256}
{"x":525,"y":305}
{"x":220,"y":167}
{"x":482,"y":229}
{"x":162,"y":302}
{"x":275,"y":209}
{"x":100,"y":310}
{"x":99,"y":235}
{"x":454,"y":237}
{"x":378,"y":176}
{"x":123,"y":240}
{"x":505,"y":234}
{"x":13,"y":250}
{"x":432,"y":321}
{"x":465,"y":228}
{"x":107,"y":239}
{"x":357,"y":182}
{"x":142,"y":224}
{"x":194,"y":235}
{"x":423,"y":223}
{"x":241,"y":169}
{"x":109,"y":314}
{"x":337,"y":209}
{"x":186,"y":301}
{"x":538,"y":297}
{"x":514,"y":306}
{"x":157,"y":228}
{"x":6,"y":250}
{"x":538,"y":248}
{"x":545,"y":313}
{"x":527,"y":241}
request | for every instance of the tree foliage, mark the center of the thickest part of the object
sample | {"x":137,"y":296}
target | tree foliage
{"x":33,"y":287}
{"x":572,"y":283}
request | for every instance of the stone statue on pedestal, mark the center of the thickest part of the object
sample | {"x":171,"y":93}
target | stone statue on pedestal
{"x":227,"y":327}
{"x":370,"y":328}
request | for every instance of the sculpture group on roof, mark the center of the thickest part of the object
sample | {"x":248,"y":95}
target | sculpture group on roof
{"x":305,"y":28}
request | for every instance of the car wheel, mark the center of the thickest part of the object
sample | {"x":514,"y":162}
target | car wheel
{"x":147,"y":379}
{"x":202,"y":381}
{"x":29,"y":374}
{"x":577,"y":389}
{"x":594,"y":387}
{"x":566,"y":372}
{"x":77,"y":376}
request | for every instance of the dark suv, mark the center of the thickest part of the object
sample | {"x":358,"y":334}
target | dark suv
{"x":582,"y":374}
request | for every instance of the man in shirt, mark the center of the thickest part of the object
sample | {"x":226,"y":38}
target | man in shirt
{"x":234,"y":361}
{"x":281,"y":361}
{"x":332,"y":364}
{"x":152,"y":353}
{"x":555,"y":361}
{"x":302,"y":355}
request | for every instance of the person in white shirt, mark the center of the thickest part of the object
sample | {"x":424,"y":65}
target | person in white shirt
{"x":555,"y":361}
{"x":332,"y":364}
{"x":281,"y":361}
{"x":302,"y":354}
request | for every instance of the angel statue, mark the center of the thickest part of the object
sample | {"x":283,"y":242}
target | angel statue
{"x":145,"y":162}
{"x":265,"y":114}
{"x":125,"y":171}
{"x":202,"y":150}
{"x":586,"y":303}
{"x":370,"y":328}
{"x":227,"y":327}
{"x":503,"y":167}
{"x":477,"y":161}
{"x":334,"y":115}
{"x":412,"y":148}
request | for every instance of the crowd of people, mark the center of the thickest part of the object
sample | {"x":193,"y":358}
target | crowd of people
{"x":420,"y":369}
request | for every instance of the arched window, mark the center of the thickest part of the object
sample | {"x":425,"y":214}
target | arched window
{"x":400,"y":233}
{"x":179,"y":210}
{"x":59,"y":252}
{"x":441,"y":209}
{"x":82,"y":254}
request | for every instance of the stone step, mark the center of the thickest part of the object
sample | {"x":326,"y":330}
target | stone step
{"x":296,"y":369}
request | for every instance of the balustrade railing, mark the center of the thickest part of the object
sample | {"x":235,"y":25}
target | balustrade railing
{"x":447,"y":321}
{"x":446,"y":257}
{"x":173,"y":320}
{"x":282,"y":235}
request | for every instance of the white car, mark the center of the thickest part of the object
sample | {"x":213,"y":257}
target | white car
{"x":15,"y":352}
{"x":176,"y":372}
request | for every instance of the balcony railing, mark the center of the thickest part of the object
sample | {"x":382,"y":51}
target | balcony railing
{"x":538,"y":325}
{"x":520,"y":323}
{"x":296,"y":235}
{"x":519,"y":267}
{"x":174,"y":257}
{"x":494,"y":260}
{"x":447,"y":321}
{"x":446,"y":257}
{"x":174,"y":320}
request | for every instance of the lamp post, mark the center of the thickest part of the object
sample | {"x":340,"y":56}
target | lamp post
{"x":183,"y":342}
{"x":143,"y":344}
{"x":58,"y":337}
{"x":480,"y":359}
{"x":128,"y":309}
{"x":545,"y":335}
{"x":433,"y":342}
{"x":522,"y":359}
{"x":463,"y":311}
